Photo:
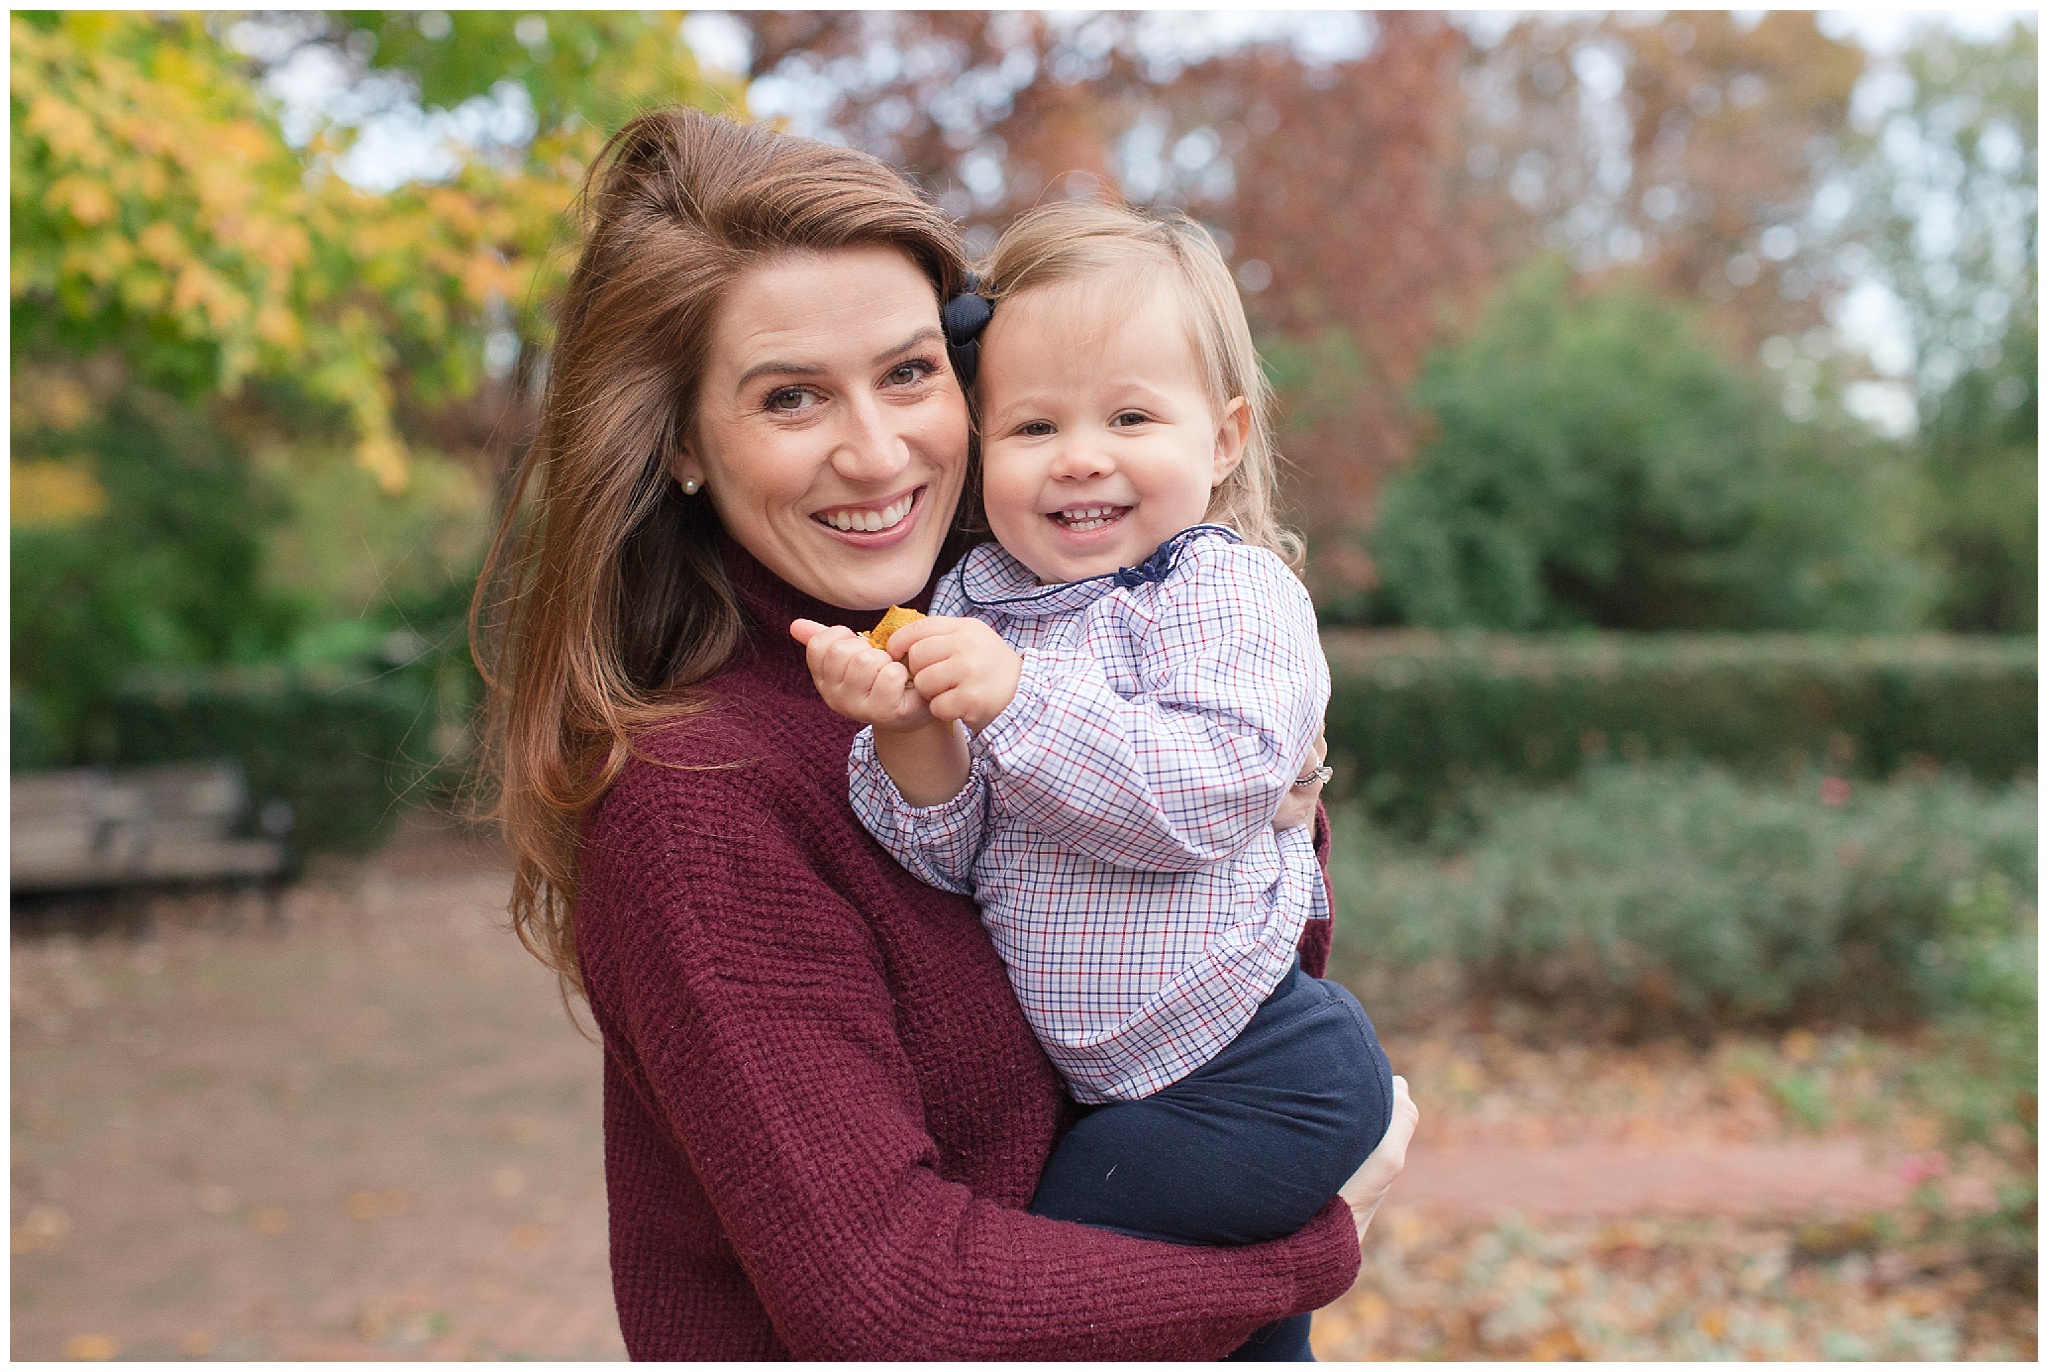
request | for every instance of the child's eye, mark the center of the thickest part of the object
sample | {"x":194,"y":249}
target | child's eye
{"x":1128,"y":419}
{"x":1036,"y":428}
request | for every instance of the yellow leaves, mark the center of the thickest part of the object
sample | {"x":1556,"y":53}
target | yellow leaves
{"x":159,"y":213}
{"x":454,"y":211}
{"x":383,"y":454}
{"x":279,"y":327}
{"x":91,"y":1347}
{"x":52,"y":494}
{"x":42,"y":1227}
{"x":369,"y":1205}
{"x":163,"y":244}
{"x":87,"y":200}
{"x":68,"y":130}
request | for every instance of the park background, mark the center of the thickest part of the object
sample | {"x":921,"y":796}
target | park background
{"x":1660,"y":399}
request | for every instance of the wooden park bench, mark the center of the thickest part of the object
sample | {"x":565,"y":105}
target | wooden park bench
{"x":94,"y":831}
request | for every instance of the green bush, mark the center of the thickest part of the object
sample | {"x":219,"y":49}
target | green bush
{"x":1682,"y":894}
{"x":1416,"y":717}
{"x":1979,"y":973}
{"x":1981,"y":448}
{"x":166,"y":573}
{"x":1598,"y":461}
{"x":345,"y":754}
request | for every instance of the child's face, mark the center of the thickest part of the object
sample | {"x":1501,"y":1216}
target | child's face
{"x":1099,"y":439}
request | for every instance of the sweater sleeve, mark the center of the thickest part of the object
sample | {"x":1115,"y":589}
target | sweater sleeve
{"x":1190,"y":770}
{"x":757,"y":1002}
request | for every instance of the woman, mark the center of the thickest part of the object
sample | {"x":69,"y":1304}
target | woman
{"x":824,"y":1112}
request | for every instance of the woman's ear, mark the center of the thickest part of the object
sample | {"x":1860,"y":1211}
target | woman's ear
{"x":1230,"y":437}
{"x":686,"y":469}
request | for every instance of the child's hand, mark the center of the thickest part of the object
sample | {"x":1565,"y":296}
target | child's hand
{"x":859,"y":680}
{"x":961,"y":667}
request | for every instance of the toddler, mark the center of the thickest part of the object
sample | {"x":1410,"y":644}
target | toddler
{"x":1092,"y":732}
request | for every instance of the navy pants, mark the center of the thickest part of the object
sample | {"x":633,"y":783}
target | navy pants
{"x":1247,"y":1147}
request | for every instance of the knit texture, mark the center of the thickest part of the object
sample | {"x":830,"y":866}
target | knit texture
{"x":824,"y":1111}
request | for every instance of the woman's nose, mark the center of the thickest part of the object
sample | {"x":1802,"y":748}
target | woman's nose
{"x":869,"y":449}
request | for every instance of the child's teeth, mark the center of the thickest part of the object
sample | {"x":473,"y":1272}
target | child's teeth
{"x":1089,"y":517}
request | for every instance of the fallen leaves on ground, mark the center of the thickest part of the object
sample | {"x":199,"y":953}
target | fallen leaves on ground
{"x":1672,"y":1290}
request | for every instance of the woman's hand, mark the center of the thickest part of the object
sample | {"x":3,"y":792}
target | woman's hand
{"x":1368,"y":1185}
{"x":1299,"y":805}
{"x":859,"y":680}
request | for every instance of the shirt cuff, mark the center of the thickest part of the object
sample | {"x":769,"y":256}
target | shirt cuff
{"x":871,"y":780}
{"x":1007,"y":732}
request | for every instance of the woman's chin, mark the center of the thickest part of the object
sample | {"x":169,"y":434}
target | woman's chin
{"x":868,"y":580}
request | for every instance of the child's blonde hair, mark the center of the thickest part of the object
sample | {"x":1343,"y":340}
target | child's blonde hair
{"x":1068,"y":241}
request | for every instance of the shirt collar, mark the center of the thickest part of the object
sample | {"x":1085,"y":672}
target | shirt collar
{"x":991,"y":579}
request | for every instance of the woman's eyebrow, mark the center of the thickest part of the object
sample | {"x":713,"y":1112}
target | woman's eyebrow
{"x":922,"y":336}
{"x":778,"y":369}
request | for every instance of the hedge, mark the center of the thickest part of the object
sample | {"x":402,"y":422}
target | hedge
{"x":1416,"y":716}
{"x":1681,"y":893}
{"x":343,"y":752}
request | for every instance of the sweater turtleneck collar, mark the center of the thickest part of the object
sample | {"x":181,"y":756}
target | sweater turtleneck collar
{"x":771,"y":603}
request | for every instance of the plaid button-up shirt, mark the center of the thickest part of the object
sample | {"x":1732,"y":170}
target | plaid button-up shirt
{"x":1116,"y":825}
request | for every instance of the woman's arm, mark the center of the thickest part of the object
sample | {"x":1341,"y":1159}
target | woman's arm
{"x":768,"y":1035}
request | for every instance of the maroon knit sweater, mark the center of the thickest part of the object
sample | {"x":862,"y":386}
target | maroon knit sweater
{"x":824,"y":1112}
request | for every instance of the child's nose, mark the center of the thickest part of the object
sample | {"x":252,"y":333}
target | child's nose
{"x":1079,"y":461}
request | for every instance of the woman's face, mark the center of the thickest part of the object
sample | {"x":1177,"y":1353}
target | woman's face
{"x":831,"y":435}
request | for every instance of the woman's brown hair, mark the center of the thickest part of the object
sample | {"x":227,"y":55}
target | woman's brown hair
{"x":604,"y":598}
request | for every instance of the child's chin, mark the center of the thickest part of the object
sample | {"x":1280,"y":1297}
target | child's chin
{"x":1053,"y":571}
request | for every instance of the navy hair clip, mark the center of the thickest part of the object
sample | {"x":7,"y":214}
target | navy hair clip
{"x":963,"y":318}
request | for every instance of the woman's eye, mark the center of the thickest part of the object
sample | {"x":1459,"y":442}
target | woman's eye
{"x":789,"y":400}
{"x":909,"y":373}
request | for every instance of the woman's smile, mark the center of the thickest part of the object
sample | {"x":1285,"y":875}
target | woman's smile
{"x":874,"y":524}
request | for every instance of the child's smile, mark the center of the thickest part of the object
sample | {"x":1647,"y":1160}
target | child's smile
{"x":1100,"y":441}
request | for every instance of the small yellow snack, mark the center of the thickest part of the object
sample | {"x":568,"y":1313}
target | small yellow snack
{"x":891,"y":622}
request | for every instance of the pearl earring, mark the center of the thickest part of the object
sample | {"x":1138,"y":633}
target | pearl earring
{"x":690,"y":485}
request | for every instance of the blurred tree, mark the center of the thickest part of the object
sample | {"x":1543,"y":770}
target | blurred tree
{"x":1704,"y":149}
{"x":1948,"y":196}
{"x":136,"y":540}
{"x":584,"y":72}
{"x":1948,"y":216}
{"x":1596,"y":461}
{"x":203,"y":310}
{"x":1980,"y":519}
{"x":158,"y":213}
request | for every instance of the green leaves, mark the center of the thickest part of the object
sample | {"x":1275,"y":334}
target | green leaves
{"x":1681,"y":894}
{"x":579,"y":67}
{"x":1598,"y":462}
{"x":159,"y":213}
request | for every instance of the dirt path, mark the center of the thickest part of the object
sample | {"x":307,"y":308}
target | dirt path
{"x":376,"y":1135}
{"x":1734,"y":1180}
